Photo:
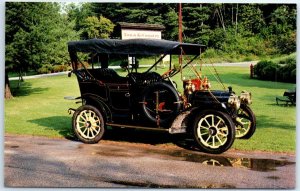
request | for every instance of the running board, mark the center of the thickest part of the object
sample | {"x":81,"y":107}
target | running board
{"x":137,"y":127}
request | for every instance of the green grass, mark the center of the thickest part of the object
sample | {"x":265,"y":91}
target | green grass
{"x":39,"y":108}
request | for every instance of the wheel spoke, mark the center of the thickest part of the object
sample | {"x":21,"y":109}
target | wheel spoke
{"x":223,"y":131}
{"x":205,"y":133}
{"x":207,"y":122}
{"x":88,"y":132}
{"x":219,"y":140}
{"x":222,"y":134}
{"x":86,"y":116}
{"x":208,"y":138}
{"x":84,"y":131}
{"x":213,"y":141}
{"x":91,"y":130}
{"x":204,"y":127}
{"x":94,"y":129}
{"x":150,"y":110}
{"x":84,"y":119}
{"x":220,"y":120}
{"x":225,"y":128}
{"x":247,"y":123}
{"x":80,"y":127}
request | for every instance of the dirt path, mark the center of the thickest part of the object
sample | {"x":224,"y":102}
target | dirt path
{"x":43,"y":162}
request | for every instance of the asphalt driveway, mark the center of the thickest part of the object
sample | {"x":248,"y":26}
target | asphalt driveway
{"x":44,"y":162}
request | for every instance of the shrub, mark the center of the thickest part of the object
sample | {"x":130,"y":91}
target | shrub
{"x":286,"y":73}
{"x":288,"y":61}
{"x":45,"y":69}
{"x":270,"y":72}
{"x":283,"y":70}
{"x":260,"y":66}
{"x":60,"y":68}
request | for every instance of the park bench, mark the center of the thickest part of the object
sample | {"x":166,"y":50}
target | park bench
{"x":289,"y":97}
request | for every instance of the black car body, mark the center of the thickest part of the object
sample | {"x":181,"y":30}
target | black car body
{"x":148,"y":100}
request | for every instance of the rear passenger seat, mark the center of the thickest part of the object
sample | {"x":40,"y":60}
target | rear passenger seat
{"x":107,"y":75}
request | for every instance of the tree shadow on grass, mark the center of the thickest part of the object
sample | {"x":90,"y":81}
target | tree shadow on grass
{"x":270,"y":122}
{"x":25,"y":89}
{"x":61,"y":124}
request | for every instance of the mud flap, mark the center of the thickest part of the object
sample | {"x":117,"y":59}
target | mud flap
{"x":179,"y":124}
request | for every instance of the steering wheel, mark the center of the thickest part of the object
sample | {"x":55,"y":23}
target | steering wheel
{"x":168,"y":73}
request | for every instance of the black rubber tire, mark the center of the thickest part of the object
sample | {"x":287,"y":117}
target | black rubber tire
{"x":214,"y":132}
{"x":251,"y":117}
{"x":173,"y":100}
{"x":94,"y":124}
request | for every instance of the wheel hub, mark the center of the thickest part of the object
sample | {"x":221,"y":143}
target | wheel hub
{"x":213,"y":131}
{"x":88,"y":124}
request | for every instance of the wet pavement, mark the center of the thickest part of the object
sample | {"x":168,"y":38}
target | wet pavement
{"x":44,"y":162}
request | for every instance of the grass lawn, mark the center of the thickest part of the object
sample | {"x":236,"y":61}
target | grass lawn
{"x":39,"y":108}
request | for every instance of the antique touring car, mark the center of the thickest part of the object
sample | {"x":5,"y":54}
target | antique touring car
{"x":146,"y":99}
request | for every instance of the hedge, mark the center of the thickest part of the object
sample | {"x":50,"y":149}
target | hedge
{"x":283,"y":70}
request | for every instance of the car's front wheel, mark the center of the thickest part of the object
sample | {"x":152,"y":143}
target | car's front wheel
{"x":88,"y":124}
{"x":214,"y":131}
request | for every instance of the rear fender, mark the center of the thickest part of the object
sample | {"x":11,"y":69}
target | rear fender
{"x":97,"y":102}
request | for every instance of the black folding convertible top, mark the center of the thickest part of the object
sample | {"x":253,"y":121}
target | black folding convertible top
{"x":133,"y":47}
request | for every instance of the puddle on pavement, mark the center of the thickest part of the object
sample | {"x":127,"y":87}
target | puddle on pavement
{"x":262,"y":165}
{"x":113,"y":154}
{"x":273,"y":177}
{"x":14,"y":146}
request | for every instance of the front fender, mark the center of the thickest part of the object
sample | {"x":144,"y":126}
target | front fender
{"x":185,"y":120}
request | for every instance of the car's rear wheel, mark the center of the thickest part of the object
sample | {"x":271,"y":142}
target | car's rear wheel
{"x":88,"y":124}
{"x":214,"y":131}
{"x":245,"y":123}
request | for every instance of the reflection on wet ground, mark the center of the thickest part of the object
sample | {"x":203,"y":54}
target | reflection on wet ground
{"x":262,"y":165}
{"x":256,"y":164}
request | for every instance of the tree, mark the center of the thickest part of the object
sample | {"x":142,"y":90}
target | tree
{"x":170,"y":21}
{"x":283,"y":29}
{"x":97,"y":27}
{"x":78,"y":13}
{"x":36,"y":34}
{"x":251,"y":19}
{"x":7,"y":91}
{"x":195,"y":18}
